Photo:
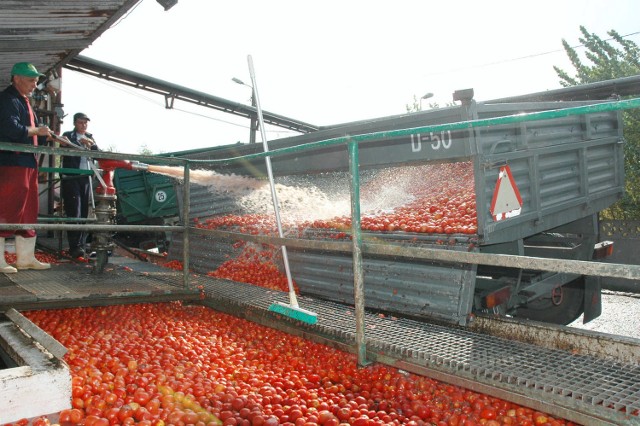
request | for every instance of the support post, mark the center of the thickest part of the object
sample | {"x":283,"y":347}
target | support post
{"x":356,"y":240}
{"x":186,"y":196}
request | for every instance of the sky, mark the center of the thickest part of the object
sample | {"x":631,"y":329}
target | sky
{"x":323,"y":62}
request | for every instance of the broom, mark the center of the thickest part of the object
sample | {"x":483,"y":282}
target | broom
{"x":291,"y":310}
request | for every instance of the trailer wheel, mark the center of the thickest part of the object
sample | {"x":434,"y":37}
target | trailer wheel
{"x":563,"y":307}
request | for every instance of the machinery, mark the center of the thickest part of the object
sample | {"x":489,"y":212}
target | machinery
{"x":105,"y":210}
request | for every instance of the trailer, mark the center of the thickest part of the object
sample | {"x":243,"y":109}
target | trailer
{"x":537,"y":187}
{"x":145,"y":199}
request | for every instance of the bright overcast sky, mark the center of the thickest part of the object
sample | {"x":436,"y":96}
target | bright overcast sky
{"x":325,"y":62}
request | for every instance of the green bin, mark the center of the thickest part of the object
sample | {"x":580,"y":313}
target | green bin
{"x":144,"y":197}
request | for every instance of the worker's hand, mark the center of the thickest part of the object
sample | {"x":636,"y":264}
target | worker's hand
{"x":39,"y":131}
{"x":87,"y":142}
{"x":63,"y":140}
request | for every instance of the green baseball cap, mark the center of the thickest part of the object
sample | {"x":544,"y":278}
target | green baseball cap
{"x":26,"y":69}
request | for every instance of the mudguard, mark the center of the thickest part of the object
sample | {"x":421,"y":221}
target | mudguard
{"x":592,"y":298}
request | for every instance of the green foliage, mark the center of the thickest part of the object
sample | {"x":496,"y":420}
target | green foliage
{"x":145,"y":150}
{"x":415,"y":106}
{"x":606,"y":60}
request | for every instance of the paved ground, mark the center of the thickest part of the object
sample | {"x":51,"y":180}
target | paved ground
{"x":620,"y":315}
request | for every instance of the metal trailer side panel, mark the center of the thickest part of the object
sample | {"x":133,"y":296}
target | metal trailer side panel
{"x":416,"y":288}
{"x":564,"y":169}
{"x":205,"y":254}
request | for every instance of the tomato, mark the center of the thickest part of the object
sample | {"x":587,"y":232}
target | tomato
{"x":190,"y":417}
{"x":141,"y":397}
{"x":125,"y":412}
{"x":271,"y":421}
{"x":488,"y":413}
{"x":75,"y":416}
{"x":257,"y":420}
{"x":41,"y":421}
{"x":171,"y":363}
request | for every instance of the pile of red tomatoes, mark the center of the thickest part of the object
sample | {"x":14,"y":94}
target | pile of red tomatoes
{"x":255,"y":265}
{"x":174,"y":364}
{"x":442,"y":202}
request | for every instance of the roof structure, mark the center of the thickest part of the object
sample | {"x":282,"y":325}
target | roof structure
{"x":172,"y":91}
{"x":50,"y":33}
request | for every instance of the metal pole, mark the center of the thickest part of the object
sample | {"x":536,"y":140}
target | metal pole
{"x":254,"y":118}
{"x":186,"y":197}
{"x":356,"y":240}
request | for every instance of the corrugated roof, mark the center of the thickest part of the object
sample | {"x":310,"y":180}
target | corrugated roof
{"x":50,"y":33}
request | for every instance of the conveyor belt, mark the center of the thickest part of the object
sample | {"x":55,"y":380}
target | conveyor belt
{"x":585,"y":389}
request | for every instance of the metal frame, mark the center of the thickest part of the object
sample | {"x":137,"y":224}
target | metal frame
{"x":171,"y":92}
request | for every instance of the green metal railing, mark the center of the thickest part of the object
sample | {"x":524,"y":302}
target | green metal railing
{"x":357,"y":247}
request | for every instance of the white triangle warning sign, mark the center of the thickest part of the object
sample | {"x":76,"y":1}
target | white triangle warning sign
{"x":506,"y":200}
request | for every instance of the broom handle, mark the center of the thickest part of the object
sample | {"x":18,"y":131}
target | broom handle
{"x":292,"y":294}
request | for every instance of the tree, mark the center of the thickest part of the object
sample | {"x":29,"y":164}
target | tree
{"x":145,"y":150}
{"x":416,"y":105}
{"x":608,"y":61}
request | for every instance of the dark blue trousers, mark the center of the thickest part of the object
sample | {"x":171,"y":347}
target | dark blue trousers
{"x":76,"y":193}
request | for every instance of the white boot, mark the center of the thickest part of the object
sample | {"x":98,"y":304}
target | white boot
{"x":4,"y":267}
{"x":25,"y":252}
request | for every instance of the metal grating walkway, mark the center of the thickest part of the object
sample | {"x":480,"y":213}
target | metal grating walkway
{"x":585,"y":389}
{"x":71,"y":284}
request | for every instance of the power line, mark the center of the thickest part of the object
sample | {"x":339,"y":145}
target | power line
{"x":533,"y":55}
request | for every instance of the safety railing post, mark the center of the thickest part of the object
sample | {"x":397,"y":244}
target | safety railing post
{"x":186,"y":196}
{"x":356,"y":241}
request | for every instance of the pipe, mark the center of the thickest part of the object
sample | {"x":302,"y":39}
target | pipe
{"x":109,"y":165}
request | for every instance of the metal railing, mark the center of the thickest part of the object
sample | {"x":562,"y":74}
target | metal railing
{"x":357,"y":247}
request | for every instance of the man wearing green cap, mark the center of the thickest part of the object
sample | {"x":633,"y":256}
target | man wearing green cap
{"x":19,"y":170}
